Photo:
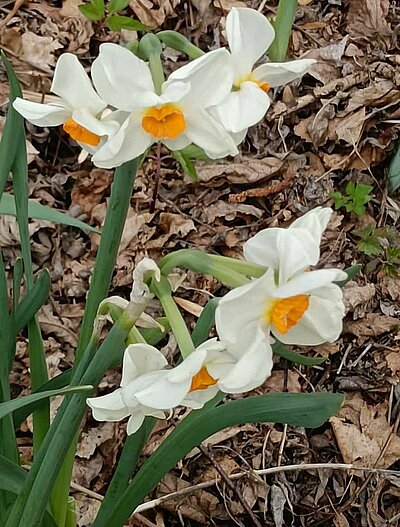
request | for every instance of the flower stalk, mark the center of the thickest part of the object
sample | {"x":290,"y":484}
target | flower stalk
{"x":283,"y":28}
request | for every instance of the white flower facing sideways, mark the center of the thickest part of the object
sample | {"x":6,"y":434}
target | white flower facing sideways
{"x":294,"y":304}
{"x":78,"y":108}
{"x":148,"y":388}
{"x":249,"y":36}
{"x":176,"y":117}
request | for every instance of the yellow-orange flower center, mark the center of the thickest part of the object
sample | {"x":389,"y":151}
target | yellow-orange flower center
{"x":202,"y":380}
{"x":249,"y":78}
{"x":263,"y":85}
{"x":79,"y":133}
{"x":285,"y":313}
{"x":166,"y":121}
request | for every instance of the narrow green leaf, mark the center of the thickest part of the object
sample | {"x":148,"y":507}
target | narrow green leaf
{"x":118,"y":22}
{"x":205,"y":322}
{"x":117,"y":5}
{"x":38,"y":211}
{"x":18,"y":274}
{"x":186,"y":164}
{"x":126,"y":467}
{"x":394,"y":171}
{"x":282,"y":351}
{"x":10,"y":406}
{"x":92,"y":12}
{"x":299,"y":409}
{"x":33,"y":301}
{"x":56,"y":383}
{"x":12,"y":128}
{"x":351,"y":273}
{"x":12,"y":478}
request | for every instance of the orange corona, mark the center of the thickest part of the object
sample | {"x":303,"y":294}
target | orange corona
{"x":79,"y":133}
{"x":166,"y":122}
{"x":285,"y":313}
{"x":202,"y":380}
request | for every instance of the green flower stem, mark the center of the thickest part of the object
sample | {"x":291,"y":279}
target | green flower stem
{"x":162,"y":290}
{"x":71,"y":520}
{"x":177,"y":41}
{"x":240,"y":266}
{"x":283,"y":23}
{"x":150,"y":47}
{"x":31,"y":502}
{"x":135,"y":337}
{"x":201,"y":262}
{"x":117,"y":210}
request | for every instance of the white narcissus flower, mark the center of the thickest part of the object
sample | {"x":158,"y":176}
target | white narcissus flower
{"x":249,"y":35}
{"x":177,"y":117}
{"x":142,"y":366}
{"x":147,"y":388}
{"x":294,"y":304}
{"x":78,"y":108}
{"x":210,"y":368}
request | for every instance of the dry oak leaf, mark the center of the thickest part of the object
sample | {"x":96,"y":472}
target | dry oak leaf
{"x":248,"y":171}
{"x":371,"y":325}
{"x":197,"y":506}
{"x":363,"y":434}
{"x":367,"y":18}
{"x":153,"y":13}
{"x":89,"y":188}
{"x":355,"y":295}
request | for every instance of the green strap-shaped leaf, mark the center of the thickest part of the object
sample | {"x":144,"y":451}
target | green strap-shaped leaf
{"x":54,"y":384}
{"x":205,"y":322}
{"x":282,"y":351}
{"x":12,"y":478}
{"x":308,"y":410}
{"x":33,"y":301}
{"x":10,"y":406}
{"x":38,"y":211}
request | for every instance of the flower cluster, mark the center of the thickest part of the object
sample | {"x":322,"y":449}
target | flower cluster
{"x":209,"y":102}
{"x":290,"y":302}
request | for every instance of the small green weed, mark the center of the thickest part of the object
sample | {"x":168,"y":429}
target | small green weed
{"x":356,"y":197}
{"x":96,"y":10}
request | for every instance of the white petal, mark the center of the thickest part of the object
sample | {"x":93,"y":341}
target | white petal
{"x":128,"y":143}
{"x":239,"y":314}
{"x":43,"y":114}
{"x":163,"y":394}
{"x":188,"y":367}
{"x":135,"y":422}
{"x":174,"y":91}
{"x":198,"y":398}
{"x":122,"y":79}
{"x":208,"y":134}
{"x":108,"y":407}
{"x":182,"y":141}
{"x":140,"y":359}
{"x":83,"y":117}
{"x":243,"y":108}
{"x":210,"y":78}
{"x":308,"y":282}
{"x":249,"y":36}
{"x":262,"y":248}
{"x":322,"y":322}
{"x":278,"y":74}
{"x":72,"y":84}
{"x":137,"y":385}
{"x":297,"y":250}
{"x":251,"y":370}
{"x":315,"y":221}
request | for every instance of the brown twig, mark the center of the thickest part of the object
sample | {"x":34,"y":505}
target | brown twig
{"x":157,"y":178}
{"x":225,"y":477}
